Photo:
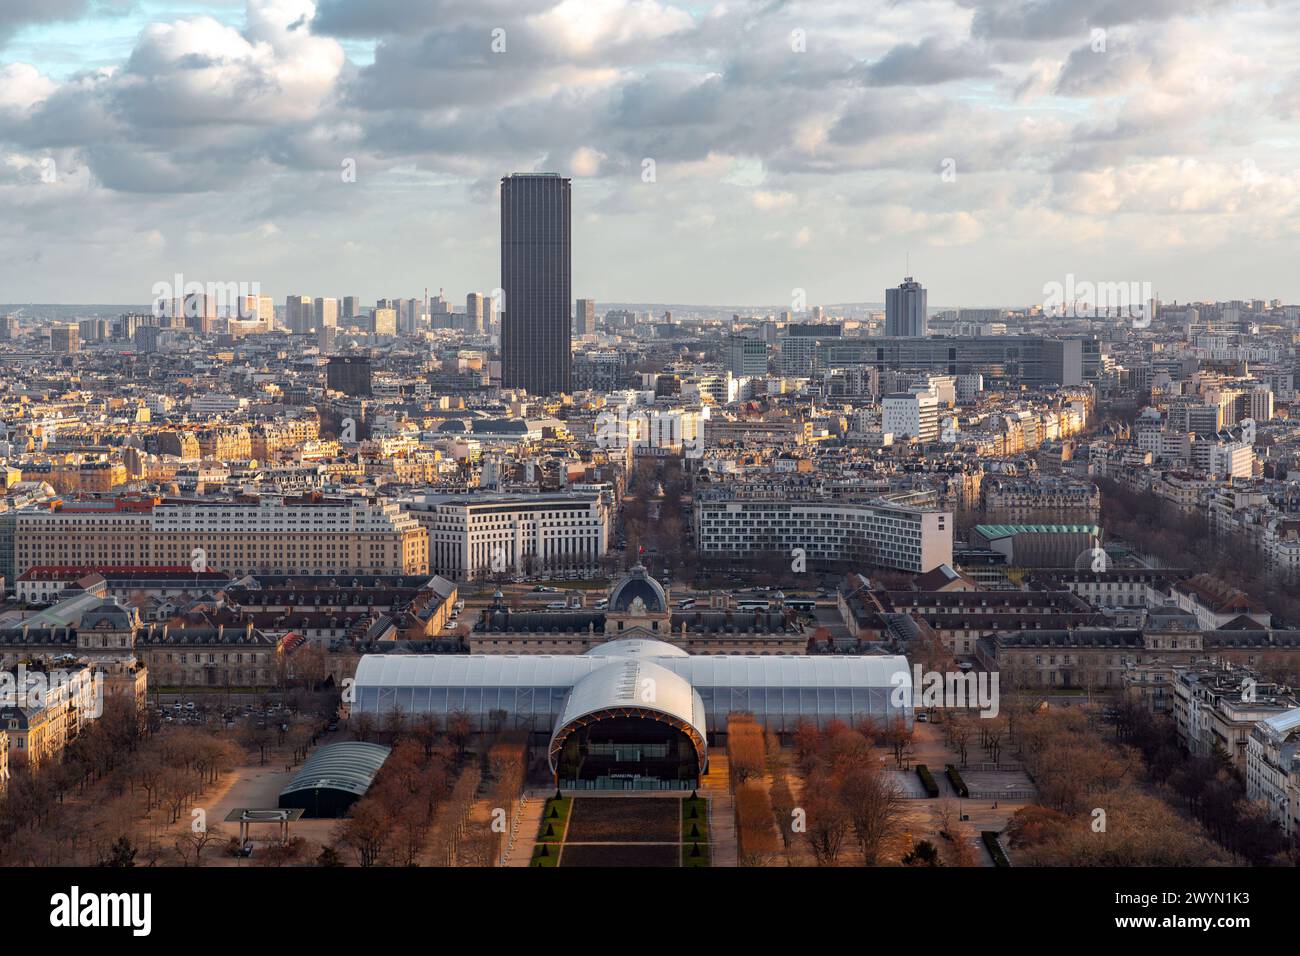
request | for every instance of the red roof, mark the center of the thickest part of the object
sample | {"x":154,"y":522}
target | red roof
{"x":47,"y":572}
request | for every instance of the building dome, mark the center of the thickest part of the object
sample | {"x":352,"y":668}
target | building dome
{"x":638,"y":586}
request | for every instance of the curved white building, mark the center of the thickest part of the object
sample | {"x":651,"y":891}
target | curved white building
{"x":635,"y":712}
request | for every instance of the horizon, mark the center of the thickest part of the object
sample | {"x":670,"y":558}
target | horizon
{"x":718,"y":152}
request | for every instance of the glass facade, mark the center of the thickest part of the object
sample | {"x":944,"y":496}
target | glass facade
{"x":536,"y":331}
{"x":777,"y":690}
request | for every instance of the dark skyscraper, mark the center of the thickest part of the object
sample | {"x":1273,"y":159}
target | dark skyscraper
{"x":905,"y":313}
{"x":349,"y":374}
{"x":535,"y":277}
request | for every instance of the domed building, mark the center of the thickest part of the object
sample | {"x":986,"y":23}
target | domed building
{"x":631,"y":714}
{"x":638,"y":586}
{"x":630,"y":696}
{"x":637,"y":607}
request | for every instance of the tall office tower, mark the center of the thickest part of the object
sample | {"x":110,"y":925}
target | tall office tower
{"x":64,"y":339}
{"x":299,"y":314}
{"x":536,"y":278}
{"x":475,"y":312}
{"x":349,"y":374}
{"x":200,"y":312}
{"x":254,"y":313}
{"x":409,"y":315}
{"x":440,"y":312}
{"x":325,"y":313}
{"x":92,"y":330}
{"x":383,"y":321}
{"x":325,"y":337}
{"x":905,"y":313}
{"x":351,"y":307}
{"x":8,"y":327}
{"x":130,"y":321}
{"x":584,"y":317}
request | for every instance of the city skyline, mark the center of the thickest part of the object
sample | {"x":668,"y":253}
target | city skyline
{"x":994,"y":148}
{"x":844,"y":437}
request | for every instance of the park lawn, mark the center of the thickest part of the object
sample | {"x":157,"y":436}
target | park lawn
{"x":701,"y":820}
{"x":552,"y":857}
{"x":700,"y":836}
{"x":695,"y":861}
{"x":559,"y":823}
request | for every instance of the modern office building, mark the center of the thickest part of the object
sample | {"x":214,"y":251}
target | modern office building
{"x":887,"y":533}
{"x":473,"y":537}
{"x":801,"y":347}
{"x":905,"y":310}
{"x":911,"y":415}
{"x":383,"y":321}
{"x":1002,"y":360}
{"x":536,"y":279}
{"x":299,"y":314}
{"x":325,"y":313}
{"x":476,"y":312}
{"x":584,"y":317}
{"x":349,"y":374}
{"x":746,"y":357}
{"x":64,"y":339}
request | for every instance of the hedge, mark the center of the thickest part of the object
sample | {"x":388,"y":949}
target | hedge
{"x":995,"y":848}
{"x":958,"y":784}
{"x":927,"y":780}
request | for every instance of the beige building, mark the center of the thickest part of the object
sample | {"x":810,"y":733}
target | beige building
{"x":307,"y":535}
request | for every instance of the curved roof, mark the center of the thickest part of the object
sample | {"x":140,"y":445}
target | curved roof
{"x":635,"y":647}
{"x":628,"y":686}
{"x":1280,"y":725}
{"x":638,"y":584}
{"x":564,"y":670}
{"x":350,"y":766}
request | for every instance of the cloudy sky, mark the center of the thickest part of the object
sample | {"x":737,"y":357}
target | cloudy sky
{"x":721,"y":153}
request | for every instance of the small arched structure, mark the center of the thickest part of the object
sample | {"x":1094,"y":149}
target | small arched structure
{"x":334,"y":778}
{"x":631,"y":719}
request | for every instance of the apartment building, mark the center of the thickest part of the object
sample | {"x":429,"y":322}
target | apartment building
{"x":1216,"y":709}
{"x":1273,"y":768}
{"x":884,"y":533}
{"x":41,"y":711}
{"x":276,"y":535}
{"x":1041,"y":499}
{"x":473,"y":537}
